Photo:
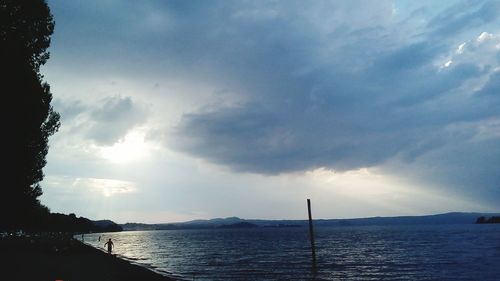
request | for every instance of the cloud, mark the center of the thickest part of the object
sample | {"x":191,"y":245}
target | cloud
{"x":105,"y":121}
{"x":68,"y":110}
{"x":107,"y":187}
{"x":464,"y":16}
{"x":113,"y":119}
{"x":291,"y":86}
{"x":346,"y":103}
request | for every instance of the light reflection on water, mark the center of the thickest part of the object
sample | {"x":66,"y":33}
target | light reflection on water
{"x":447,"y":252}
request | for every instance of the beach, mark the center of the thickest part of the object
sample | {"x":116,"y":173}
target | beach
{"x":58,"y":257}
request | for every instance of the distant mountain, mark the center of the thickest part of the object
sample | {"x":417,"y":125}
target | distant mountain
{"x":447,"y":218}
{"x":195,"y":224}
{"x":216,"y":221}
{"x":242,"y":224}
{"x":107,"y":225}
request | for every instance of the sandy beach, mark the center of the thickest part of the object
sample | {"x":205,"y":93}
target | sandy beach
{"x":56,"y":258}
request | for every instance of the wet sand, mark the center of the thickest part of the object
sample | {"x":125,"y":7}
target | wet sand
{"x":56,"y":258}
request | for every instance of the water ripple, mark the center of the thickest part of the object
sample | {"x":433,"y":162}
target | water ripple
{"x":448,"y":252}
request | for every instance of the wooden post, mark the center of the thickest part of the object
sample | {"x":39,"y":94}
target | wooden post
{"x":311,"y":234}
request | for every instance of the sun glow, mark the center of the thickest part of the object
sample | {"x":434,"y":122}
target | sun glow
{"x":108,"y":187}
{"x":130,"y":148}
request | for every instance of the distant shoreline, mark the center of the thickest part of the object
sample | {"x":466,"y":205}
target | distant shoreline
{"x":235,"y":222}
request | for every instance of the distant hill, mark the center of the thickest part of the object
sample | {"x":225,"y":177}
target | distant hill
{"x":242,"y":224}
{"x":107,"y":226}
{"x":195,"y":224}
{"x":447,"y":218}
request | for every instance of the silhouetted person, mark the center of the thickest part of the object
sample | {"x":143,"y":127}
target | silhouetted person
{"x":110,"y":245}
{"x":99,"y":239}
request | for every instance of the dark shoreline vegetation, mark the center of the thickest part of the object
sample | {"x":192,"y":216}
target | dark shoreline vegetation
{"x":492,"y":219}
{"x":56,"y":222}
{"x":70,"y":224}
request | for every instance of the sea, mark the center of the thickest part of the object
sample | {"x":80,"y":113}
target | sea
{"x":401,"y":252}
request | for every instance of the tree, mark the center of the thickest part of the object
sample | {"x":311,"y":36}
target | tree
{"x":25,"y":30}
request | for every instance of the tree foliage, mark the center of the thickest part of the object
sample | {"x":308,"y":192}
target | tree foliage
{"x":70,"y":223}
{"x":493,"y":219}
{"x":25,"y":30}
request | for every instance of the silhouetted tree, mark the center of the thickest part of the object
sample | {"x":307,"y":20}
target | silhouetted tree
{"x":494,"y":220}
{"x":28,"y":117}
{"x":481,"y":220}
{"x":488,"y":220}
{"x":56,"y":222}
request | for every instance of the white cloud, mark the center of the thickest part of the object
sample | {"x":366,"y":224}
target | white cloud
{"x":107,"y":187}
{"x":484,"y":36}
{"x":460,"y":48}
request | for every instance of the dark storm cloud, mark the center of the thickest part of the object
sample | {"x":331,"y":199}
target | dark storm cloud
{"x":334,"y":84}
{"x":343,"y":102}
{"x":339,"y":120}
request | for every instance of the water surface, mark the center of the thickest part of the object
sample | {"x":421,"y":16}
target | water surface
{"x":423,"y":252}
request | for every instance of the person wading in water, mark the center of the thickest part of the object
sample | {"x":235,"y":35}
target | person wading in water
{"x":110,"y":245}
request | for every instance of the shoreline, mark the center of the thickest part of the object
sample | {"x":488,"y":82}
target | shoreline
{"x":133,"y":261}
{"x":58,"y":257}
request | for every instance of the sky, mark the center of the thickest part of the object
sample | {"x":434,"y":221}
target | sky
{"x":180,"y":110}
